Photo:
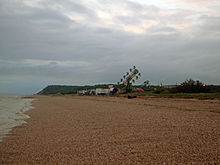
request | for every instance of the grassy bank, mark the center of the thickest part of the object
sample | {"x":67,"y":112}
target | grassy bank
{"x":181,"y":95}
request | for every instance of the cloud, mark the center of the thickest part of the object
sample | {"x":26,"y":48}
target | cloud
{"x":86,"y":42}
{"x":201,"y":2}
{"x":209,"y":25}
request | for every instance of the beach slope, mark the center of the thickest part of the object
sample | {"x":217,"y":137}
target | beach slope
{"x":115,"y":130}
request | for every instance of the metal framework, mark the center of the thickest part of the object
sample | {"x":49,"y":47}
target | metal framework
{"x":129,"y":78}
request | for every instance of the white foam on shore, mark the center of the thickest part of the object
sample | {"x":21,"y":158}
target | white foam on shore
{"x":12,"y":108}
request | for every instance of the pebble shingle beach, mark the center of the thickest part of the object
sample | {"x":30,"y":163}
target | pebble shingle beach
{"x":116,"y":130}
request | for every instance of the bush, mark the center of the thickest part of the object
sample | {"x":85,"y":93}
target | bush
{"x":191,"y":86}
{"x":159,"y":90}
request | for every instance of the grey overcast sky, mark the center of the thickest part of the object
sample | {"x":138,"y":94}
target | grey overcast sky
{"x":82,"y":42}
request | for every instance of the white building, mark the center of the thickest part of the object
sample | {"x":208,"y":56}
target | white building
{"x":98,"y":91}
{"x":101,"y":91}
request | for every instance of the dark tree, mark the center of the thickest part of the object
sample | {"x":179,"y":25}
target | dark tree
{"x":191,"y":86}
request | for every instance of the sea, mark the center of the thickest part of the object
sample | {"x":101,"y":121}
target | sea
{"x":12,"y":108}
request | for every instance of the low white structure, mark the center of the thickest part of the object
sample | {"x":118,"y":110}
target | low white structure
{"x":98,"y":91}
{"x":81,"y":92}
{"x":101,"y":91}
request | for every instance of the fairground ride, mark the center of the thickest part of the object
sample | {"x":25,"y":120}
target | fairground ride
{"x":129,"y":78}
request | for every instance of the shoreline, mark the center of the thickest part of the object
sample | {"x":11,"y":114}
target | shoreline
{"x":114,"y":130}
{"x":14,"y":113}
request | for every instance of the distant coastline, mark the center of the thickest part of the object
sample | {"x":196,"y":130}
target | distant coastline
{"x":153,"y":90}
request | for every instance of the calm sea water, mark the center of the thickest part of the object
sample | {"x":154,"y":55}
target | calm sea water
{"x":12,"y":108}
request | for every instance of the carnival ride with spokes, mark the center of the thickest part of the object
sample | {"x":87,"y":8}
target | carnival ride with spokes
{"x":129,"y":78}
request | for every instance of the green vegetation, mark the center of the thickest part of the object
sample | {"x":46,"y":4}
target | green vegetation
{"x":58,"y":89}
{"x":64,"y":89}
{"x":181,"y":95}
{"x":187,"y":89}
{"x":191,"y":86}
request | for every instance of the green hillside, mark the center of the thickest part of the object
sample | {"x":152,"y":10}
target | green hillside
{"x":64,"y":89}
